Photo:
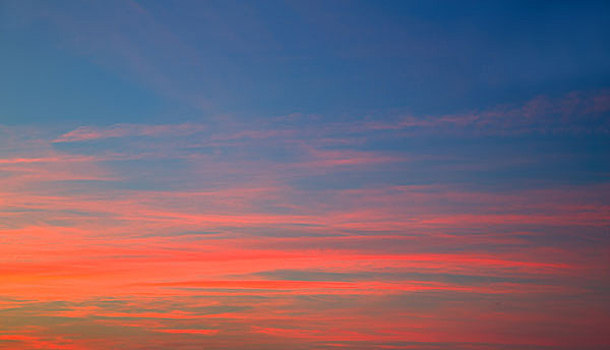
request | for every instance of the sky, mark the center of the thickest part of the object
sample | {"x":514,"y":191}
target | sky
{"x":281,"y":174}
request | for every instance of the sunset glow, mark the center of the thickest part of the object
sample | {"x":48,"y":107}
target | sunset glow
{"x":304,"y":175}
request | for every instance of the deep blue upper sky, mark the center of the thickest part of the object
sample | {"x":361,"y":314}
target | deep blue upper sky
{"x":152,"y":60}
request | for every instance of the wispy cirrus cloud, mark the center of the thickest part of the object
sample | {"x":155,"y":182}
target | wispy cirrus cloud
{"x":182,"y":233}
{"x":87,"y":133}
{"x":576,"y":112}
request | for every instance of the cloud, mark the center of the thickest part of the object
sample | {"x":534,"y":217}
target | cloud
{"x":87,"y":133}
{"x":574,"y":113}
{"x":302,"y":234}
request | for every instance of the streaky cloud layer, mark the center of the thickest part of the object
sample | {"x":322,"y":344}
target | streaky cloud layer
{"x":304,"y":175}
{"x":253,"y":254}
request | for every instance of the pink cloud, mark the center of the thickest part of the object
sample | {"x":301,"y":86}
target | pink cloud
{"x":86,"y":133}
{"x":540,"y":114}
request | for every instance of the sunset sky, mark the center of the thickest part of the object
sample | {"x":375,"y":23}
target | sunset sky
{"x":278,"y":174}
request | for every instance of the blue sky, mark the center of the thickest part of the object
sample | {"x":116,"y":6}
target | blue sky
{"x":304,"y":174}
{"x":129,"y":61}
